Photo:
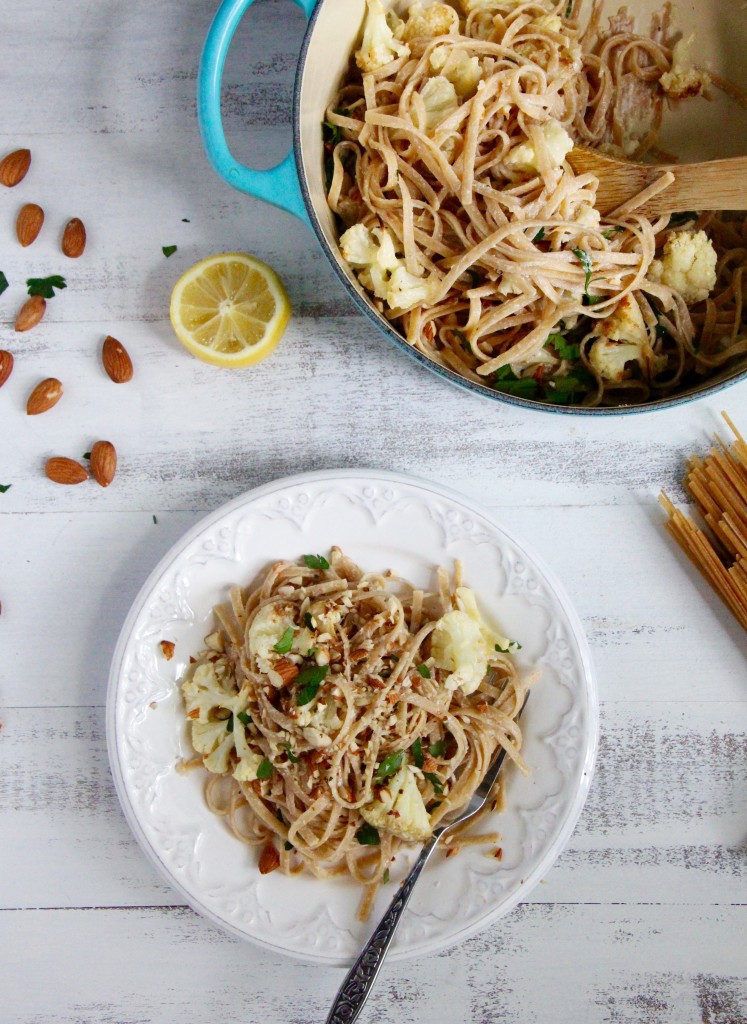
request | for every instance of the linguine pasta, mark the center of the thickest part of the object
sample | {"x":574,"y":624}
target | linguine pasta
{"x":461,"y":217}
{"x":342,"y":714}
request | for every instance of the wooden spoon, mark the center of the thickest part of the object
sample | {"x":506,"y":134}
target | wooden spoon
{"x":711,"y":185}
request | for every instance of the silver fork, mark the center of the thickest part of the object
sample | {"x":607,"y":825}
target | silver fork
{"x":360,"y":979}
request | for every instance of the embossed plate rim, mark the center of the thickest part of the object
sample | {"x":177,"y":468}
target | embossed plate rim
{"x":428,"y":491}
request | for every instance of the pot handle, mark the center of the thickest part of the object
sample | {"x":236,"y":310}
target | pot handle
{"x":278,"y":185}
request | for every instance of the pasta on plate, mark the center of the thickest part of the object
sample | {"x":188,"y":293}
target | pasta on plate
{"x":342,"y":713}
{"x":459,"y":213}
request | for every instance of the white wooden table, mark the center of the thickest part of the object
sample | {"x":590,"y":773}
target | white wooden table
{"x":643,"y":917}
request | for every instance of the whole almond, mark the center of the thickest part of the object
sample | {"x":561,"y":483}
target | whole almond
{"x":31,"y":313}
{"x":74,"y":238}
{"x":6,"y":366}
{"x":14,"y":166}
{"x":116,"y":360}
{"x":103,"y":462}
{"x":44,"y":396}
{"x":29,"y":223}
{"x":65,"y":471}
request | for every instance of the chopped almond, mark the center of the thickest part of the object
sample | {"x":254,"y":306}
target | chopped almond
{"x":167,"y":649}
{"x":269,"y":859}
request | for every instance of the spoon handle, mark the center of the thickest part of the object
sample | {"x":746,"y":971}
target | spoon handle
{"x":359,"y":980}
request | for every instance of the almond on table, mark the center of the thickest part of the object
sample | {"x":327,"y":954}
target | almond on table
{"x":44,"y":396}
{"x":103,"y":462}
{"x":30,"y":313}
{"x":6,"y":365}
{"x":61,"y":470}
{"x":74,"y":238}
{"x":14,"y":167}
{"x":116,"y":360}
{"x":29,"y":223}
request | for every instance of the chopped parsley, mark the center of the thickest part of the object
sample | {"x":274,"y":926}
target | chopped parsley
{"x":385,"y":876}
{"x":463,"y":338}
{"x":390,"y":765}
{"x":564,"y":390}
{"x":435,"y":782}
{"x":168,"y":250}
{"x":437,"y":749}
{"x":287,"y":845}
{"x":229,"y":723}
{"x":291,"y":756}
{"x":417,"y":753}
{"x":45,"y":286}
{"x":244,"y":718}
{"x":309,"y":681}
{"x":5,"y":487}
{"x":86,"y":455}
{"x":368,"y":835}
{"x":155,"y":520}
{"x":331,"y":133}
{"x":513,"y":645}
{"x":264,"y":770}
{"x":564,"y":349}
{"x":585,"y":260}
{"x":316,"y":562}
{"x":612,"y":231}
{"x":539,"y":236}
{"x":505,"y":380}
{"x":285,"y":642}
{"x":424,"y":670}
{"x":3,"y":282}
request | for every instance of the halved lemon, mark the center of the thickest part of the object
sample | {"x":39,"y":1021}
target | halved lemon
{"x":230,"y":309}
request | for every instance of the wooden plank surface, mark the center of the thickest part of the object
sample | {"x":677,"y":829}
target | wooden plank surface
{"x":643,"y":916}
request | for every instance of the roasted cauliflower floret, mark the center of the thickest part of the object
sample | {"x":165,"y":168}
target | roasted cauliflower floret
{"x":400,"y":808}
{"x":687,"y":265}
{"x":440,"y":99}
{"x":379,"y":46}
{"x":372,"y":252}
{"x":683,"y":80}
{"x":267,"y":628}
{"x":464,"y":645}
{"x":524,"y":157}
{"x":436,"y":20}
{"x":405,"y":290}
{"x":623,"y":339}
{"x":612,"y":359}
{"x":203,"y":691}
{"x":463,"y":71}
{"x":320,"y":722}
{"x":215,"y":743}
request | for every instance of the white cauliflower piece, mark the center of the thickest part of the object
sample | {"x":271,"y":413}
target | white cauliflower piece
{"x":267,"y":628}
{"x":203,"y":692}
{"x":400,"y":808}
{"x":587,"y":216}
{"x":436,"y":20}
{"x":406,"y":290}
{"x":215,"y":743}
{"x":319,"y":721}
{"x":559,"y":143}
{"x":464,"y":72}
{"x":625,"y":323}
{"x":379,"y":47}
{"x":683,"y":80}
{"x":374,"y":253}
{"x":687,"y":265}
{"x":611,"y":359}
{"x":246,"y":769}
{"x":464,"y":645}
{"x":440,"y":100}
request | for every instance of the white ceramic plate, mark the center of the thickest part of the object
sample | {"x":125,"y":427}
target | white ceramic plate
{"x":382,"y":520}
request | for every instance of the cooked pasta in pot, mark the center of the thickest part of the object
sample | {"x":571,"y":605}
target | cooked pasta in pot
{"x":342,"y":714}
{"x":460,"y":215}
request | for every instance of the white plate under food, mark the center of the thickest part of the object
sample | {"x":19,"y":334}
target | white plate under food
{"x":382,"y":520}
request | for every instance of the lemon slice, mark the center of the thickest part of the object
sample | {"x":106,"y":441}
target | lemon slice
{"x":230,"y":309}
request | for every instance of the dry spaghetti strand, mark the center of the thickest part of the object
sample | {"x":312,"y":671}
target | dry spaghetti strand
{"x":718,"y":484}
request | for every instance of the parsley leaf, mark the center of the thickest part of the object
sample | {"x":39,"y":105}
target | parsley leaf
{"x":287,"y":845}
{"x":168,"y":250}
{"x":612,"y":231}
{"x":389,"y":766}
{"x":291,"y":756}
{"x":585,"y":260}
{"x":385,"y":876}
{"x":316,"y":561}
{"x":435,"y":782}
{"x":264,"y":770}
{"x":505,"y":380}
{"x":424,"y":671}
{"x":3,"y":282}
{"x":155,"y":520}
{"x":229,"y":723}
{"x":513,"y":645}
{"x":308,"y":620}
{"x":86,"y":455}
{"x":331,"y":133}
{"x":244,"y":718}
{"x":285,"y":642}
{"x":564,"y":390}
{"x":5,"y":487}
{"x":539,"y":236}
{"x":309,"y":681}
{"x":564,"y":349}
{"x":368,"y":835}
{"x":45,"y":286}
{"x":417,"y":753}
{"x":437,"y":749}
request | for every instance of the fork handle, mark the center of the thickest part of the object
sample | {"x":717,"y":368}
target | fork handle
{"x":359,"y":980}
